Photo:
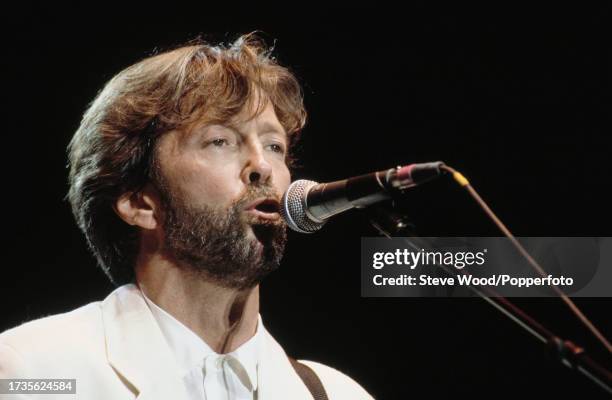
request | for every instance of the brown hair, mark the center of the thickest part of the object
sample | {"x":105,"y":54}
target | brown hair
{"x":111,"y":153}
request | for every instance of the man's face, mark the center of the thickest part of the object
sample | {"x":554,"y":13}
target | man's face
{"x":220,"y":186}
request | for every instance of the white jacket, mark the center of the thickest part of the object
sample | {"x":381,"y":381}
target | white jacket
{"x":115,"y":350}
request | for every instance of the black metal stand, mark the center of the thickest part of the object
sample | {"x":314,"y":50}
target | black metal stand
{"x":390,"y":224}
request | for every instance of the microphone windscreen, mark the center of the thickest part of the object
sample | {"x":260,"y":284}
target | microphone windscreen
{"x":293,"y":207}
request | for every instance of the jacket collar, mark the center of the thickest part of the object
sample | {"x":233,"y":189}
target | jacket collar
{"x":277,"y":378}
{"x":136,"y":348}
{"x":139,"y":353}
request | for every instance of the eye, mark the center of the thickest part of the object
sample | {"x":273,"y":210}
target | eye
{"x":277,"y":148}
{"x":219,"y":142}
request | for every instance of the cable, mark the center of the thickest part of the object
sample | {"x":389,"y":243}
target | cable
{"x":462,"y":180}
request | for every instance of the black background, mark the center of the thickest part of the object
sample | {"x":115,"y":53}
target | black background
{"x":518,"y":99}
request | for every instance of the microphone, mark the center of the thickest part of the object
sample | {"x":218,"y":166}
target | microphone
{"x":306,"y":205}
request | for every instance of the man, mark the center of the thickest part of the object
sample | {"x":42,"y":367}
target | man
{"x":176,"y":173}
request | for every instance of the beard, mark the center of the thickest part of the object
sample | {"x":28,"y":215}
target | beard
{"x":218,"y":243}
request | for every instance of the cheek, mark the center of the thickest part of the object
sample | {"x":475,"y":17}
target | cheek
{"x":282,"y":179}
{"x":219,"y":187}
{"x":209,"y":186}
{"x":199,"y":180}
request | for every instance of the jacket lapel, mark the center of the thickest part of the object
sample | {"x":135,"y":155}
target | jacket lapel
{"x":138,"y":352}
{"x":277,"y":380}
{"x":136,"y":348}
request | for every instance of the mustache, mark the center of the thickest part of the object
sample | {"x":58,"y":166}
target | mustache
{"x":254,"y":192}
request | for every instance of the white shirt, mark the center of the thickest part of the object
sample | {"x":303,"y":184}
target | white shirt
{"x":207,"y":374}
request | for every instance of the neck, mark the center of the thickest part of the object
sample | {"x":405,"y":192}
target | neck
{"x":224,"y":318}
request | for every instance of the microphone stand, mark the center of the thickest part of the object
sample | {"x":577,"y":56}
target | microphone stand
{"x":390,"y":223}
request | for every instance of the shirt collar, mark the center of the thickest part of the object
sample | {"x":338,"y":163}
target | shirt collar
{"x":190,"y":350}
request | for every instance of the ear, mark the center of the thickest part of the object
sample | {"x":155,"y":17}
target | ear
{"x":138,"y":208}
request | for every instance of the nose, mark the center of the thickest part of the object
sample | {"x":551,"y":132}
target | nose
{"x":257,"y":169}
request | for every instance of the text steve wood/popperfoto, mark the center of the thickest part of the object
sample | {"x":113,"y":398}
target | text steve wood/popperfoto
{"x":468,"y":280}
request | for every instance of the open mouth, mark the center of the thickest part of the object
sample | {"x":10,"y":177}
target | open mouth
{"x":266,"y":208}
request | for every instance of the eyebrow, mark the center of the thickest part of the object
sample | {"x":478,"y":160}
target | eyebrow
{"x":264,"y":127}
{"x":269,"y":126}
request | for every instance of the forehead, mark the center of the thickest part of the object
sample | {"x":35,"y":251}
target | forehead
{"x":263,"y":118}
